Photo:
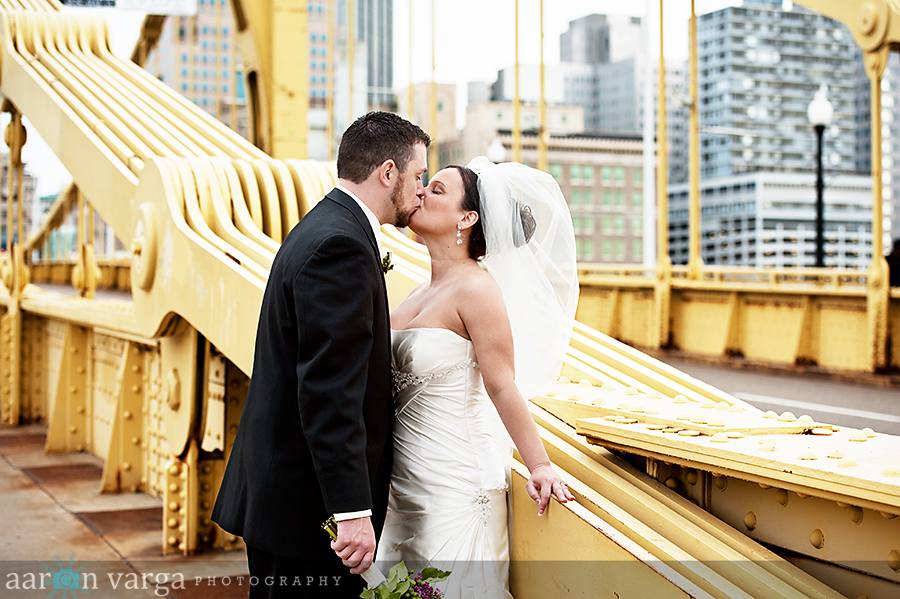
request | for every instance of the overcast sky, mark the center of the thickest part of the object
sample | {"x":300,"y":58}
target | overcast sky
{"x":475,"y":39}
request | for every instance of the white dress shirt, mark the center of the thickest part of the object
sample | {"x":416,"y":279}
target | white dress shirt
{"x":376,"y":229}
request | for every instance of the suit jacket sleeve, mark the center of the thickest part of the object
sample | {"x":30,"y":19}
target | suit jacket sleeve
{"x":333,"y":293}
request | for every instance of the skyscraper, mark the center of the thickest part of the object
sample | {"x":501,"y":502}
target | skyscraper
{"x":759,"y":67}
{"x":203,"y":62}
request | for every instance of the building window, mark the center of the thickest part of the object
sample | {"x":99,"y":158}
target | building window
{"x":637,"y":199}
{"x":606,"y":175}
{"x":620,"y":198}
{"x":587,"y":197}
{"x":638,"y":176}
{"x":607,"y":198}
{"x":555,"y":169}
{"x":606,"y":224}
{"x":575,"y":173}
{"x":575,"y":198}
{"x":585,"y":249}
{"x":619,"y":175}
{"x":637,"y":249}
{"x":607,"y":249}
{"x":619,"y":224}
{"x":619,"y":246}
{"x":637,"y":225}
{"x":587,"y":174}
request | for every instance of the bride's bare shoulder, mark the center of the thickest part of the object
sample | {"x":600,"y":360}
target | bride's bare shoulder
{"x":477,"y":284}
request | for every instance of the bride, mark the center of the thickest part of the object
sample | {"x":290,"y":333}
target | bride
{"x":493,"y":322}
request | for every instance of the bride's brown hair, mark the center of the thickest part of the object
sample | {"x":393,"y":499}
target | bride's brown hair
{"x":477,"y":247}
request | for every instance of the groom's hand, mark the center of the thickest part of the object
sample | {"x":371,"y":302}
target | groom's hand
{"x":355,"y":544}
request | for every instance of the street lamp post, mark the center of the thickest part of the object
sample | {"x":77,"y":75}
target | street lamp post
{"x":820,"y":112}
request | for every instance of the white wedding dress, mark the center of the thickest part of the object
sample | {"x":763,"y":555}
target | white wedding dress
{"x":447,"y":507}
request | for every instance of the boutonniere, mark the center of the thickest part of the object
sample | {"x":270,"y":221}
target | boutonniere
{"x":386,"y":263}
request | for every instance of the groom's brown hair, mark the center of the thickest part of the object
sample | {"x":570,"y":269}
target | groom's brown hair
{"x":374,"y":138}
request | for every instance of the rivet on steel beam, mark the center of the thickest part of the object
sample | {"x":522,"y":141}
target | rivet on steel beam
{"x":707,"y":403}
{"x":135,"y":368}
{"x":868,"y":432}
{"x":182,"y":546}
{"x":720,"y":482}
{"x":631,"y":391}
{"x":126,"y":466}
{"x":891,"y":471}
{"x":817,"y":538}
{"x":206,"y":469}
{"x":79,"y":448}
{"x":770,"y":415}
{"x":681,"y":399}
{"x":563,"y":380}
{"x":135,"y":441}
{"x":856,"y":514}
{"x":127,"y":415}
{"x":672,"y":483}
{"x":73,"y":390}
{"x":801,"y":495}
{"x":805,"y":419}
{"x":692,"y":477}
{"x":836,"y":454}
{"x":80,"y":369}
{"x":719,"y":437}
{"x":781,"y":496}
{"x":894,"y":560}
{"x":172,"y":541}
{"x":857,"y":436}
{"x":585,"y":383}
{"x":173,"y":488}
{"x":808,"y":454}
{"x":174,"y":506}
{"x":73,"y":429}
{"x":173,"y":523}
{"x":847,"y":462}
{"x":80,"y":409}
{"x":768,"y":446}
{"x":750,"y":521}
{"x":135,"y":388}
{"x":204,"y":505}
{"x":787,"y":417}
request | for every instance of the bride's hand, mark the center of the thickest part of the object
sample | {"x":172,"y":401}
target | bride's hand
{"x":544,"y":480}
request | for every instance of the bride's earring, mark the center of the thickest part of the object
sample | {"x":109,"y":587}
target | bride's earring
{"x":458,"y":235}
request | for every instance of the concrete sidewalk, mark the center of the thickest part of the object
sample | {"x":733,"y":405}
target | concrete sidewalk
{"x":60,"y":536}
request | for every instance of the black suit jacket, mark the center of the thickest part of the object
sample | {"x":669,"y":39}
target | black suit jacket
{"x":315,"y":436}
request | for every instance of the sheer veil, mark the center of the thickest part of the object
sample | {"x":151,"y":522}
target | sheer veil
{"x":537,"y":276}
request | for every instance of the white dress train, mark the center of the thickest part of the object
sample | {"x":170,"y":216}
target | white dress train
{"x":447,"y":507}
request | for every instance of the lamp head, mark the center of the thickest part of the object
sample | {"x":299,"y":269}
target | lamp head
{"x":820,"y":111}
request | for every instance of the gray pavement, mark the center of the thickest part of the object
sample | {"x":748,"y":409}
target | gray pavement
{"x":849,"y":404}
{"x":56,"y":523}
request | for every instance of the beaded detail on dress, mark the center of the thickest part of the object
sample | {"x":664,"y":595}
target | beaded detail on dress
{"x":402,"y":380}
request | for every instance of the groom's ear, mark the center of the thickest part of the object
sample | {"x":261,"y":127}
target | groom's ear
{"x":388,"y":173}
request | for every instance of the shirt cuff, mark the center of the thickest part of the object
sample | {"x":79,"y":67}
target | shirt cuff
{"x":352,"y":515}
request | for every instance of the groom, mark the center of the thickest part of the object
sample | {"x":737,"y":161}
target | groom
{"x":315,"y":434}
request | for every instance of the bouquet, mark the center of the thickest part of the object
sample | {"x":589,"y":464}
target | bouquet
{"x":400,"y":583}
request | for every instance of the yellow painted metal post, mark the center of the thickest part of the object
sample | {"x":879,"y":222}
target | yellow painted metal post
{"x":217,"y":57}
{"x":543,"y":134}
{"x":329,"y":85}
{"x":517,"y":126}
{"x":663,"y":287}
{"x":877,"y":299}
{"x":434,"y":155}
{"x":233,"y":83}
{"x":11,"y":141}
{"x":695,"y":262}
{"x":351,"y":42}
{"x":412,"y":99}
